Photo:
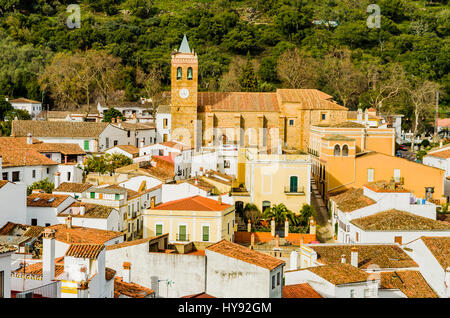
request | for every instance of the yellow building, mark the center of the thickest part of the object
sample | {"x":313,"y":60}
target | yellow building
{"x":348,"y":155}
{"x":265,"y":180}
{"x":193,"y":219}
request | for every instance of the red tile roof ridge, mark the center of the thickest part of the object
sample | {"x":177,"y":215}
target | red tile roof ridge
{"x":209,"y":204}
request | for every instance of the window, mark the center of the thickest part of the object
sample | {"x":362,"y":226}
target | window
{"x":323,"y":116}
{"x":182,"y":236}
{"x":179,"y":73}
{"x":48,"y":170}
{"x":5,"y":176}
{"x":278,"y":279}
{"x":357,"y":237}
{"x":273,"y":281}
{"x":291,"y":122}
{"x":165,"y":122}
{"x":129,"y":227}
{"x":352,"y":293}
{"x":158,"y":229}
{"x":293,"y":188}
{"x":226,"y":164}
{"x":228,"y":227}
{"x":370,"y":175}
{"x":68,"y":176}
{"x":15,"y":176}
{"x":165,"y":137}
{"x":47,"y":224}
{"x":107,"y":142}
{"x":337,"y":150}
{"x":33,"y":221}
{"x":190,"y":74}
{"x":116,"y":142}
{"x":345,"y":151}
{"x":265,"y":205}
{"x":205,"y":233}
{"x":117,"y":196}
{"x":2,"y":283}
{"x":128,"y":133}
{"x":34,"y":174}
{"x":92,"y":195}
{"x":86,"y":145}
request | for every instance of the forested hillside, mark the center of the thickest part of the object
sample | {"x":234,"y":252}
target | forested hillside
{"x":249,"y":45}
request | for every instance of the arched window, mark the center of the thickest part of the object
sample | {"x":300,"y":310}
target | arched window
{"x":345,"y":151}
{"x":179,"y":73}
{"x":190,"y":74}
{"x":337,"y":150}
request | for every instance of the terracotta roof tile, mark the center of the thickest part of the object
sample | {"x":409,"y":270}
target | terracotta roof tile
{"x":3,"y":182}
{"x":78,"y":234}
{"x":444,"y":154}
{"x":131,"y":290}
{"x":175,"y":145}
{"x":410,"y":283}
{"x":91,"y":210}
{"x":351,"y":200}
{"x":440,"y":248}
{"x":309,"y":99}
{"x":22,"y":100}
{"x":64,"y":148}
{"x":245,"y":254}
{"x":90,"y":251}
{"x":384,"y":186}
{"x":19,"y":157}
{"x":127,"y":148}
{"x":109,"y":273}
{"x":46,"y":199}
{"x":385,"y":256}
{"x":195,"y":203}
{"x":21,"y":128}
{"x":300,"y":291}
{"x":36,"y":269}
{"x":394,"y":220}
{"x":73,"y":187}
{"x":135,"y":242}
{"x":238,"y":102}
{"x":4,"y":248}
{"x":339,"y":274}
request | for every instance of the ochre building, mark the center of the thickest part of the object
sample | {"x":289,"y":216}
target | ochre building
{"x":266,"y":120}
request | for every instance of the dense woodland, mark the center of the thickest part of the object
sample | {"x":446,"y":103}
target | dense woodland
{"x":122,"y":50}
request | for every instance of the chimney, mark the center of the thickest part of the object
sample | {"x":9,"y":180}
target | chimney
{"x":65,"y":158}
{"x":48,"y":255}
{"x":69,"y":222}
{"x":359,"y":116}
{"x":82,"y":209}
{"x":354,"y":257}
{"x":126,"y":272}
{"x":343,"y":259}
{"x":57,"y":179}
{"x":29,"y":139}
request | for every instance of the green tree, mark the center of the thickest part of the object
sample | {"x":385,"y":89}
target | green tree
{"x":248,"y":80}
{"x":5,"y":107}
{"x":252,"y":213}
{"x":44,"y":184}
{"x":279,"y":213}
{"x":112,"y":113}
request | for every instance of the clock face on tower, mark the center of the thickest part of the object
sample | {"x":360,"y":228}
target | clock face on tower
{"x":184,"y":93}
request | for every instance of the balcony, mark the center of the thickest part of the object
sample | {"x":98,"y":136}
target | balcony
{"x":182,"y":237}
{"x":45,"y":291}
{"x":294,"y":191}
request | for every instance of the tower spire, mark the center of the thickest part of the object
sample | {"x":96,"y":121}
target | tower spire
{"x":184,"y":47}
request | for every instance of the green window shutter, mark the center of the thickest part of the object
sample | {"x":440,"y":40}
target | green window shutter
{"x":182,"y":233}
{"x":86,"y":145}
{"x":294,"y":184}
{"x":205,"y":234}
{"x":117,"y":196}
{"x":158,"y":229}
{"x":92,"y":195}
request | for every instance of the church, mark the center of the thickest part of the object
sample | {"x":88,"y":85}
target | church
{"x":267,"y":121}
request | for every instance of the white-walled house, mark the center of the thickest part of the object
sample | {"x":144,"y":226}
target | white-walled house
{"x":16,"y":209}
{"x":5,"y":270}
{"x":91,"y":215}
{"x":126,"y":150}
{"x":192,"y":187}
{"x":163,"y":123}
{"x":73,"y":189}
{"x":92,"y":137}
{"x":260,"y":275}
{"x":335,"y":281}
{"x":440,"y":158}
{"x":432,"y":255}
{"x":359,"y":203}
{"x":43,"y":208}
{"x":31,"y":106}
{"x":138,"y":134}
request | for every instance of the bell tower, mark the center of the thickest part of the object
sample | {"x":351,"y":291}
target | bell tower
{"x":184,"y":88}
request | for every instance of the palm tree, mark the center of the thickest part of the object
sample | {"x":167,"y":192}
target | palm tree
{"x":278,"y":212}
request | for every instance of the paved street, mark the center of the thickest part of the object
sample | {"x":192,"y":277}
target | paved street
{"x":324,"y":232}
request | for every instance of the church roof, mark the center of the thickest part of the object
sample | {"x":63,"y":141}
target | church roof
{"x":238,"y":101}
{"x":184,"y":47}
